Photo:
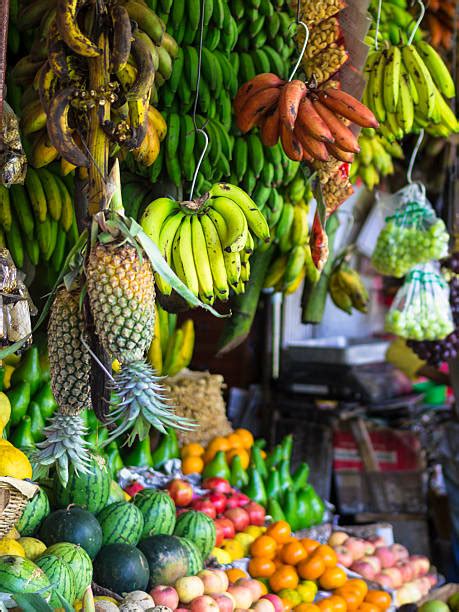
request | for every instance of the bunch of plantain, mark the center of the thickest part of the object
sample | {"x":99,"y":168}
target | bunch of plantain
{"x":37,"y":220}
{"x":375,"y":158}
{"x":346,"y":288}
{"x":63,"y":112}
{"x":172,"y":346}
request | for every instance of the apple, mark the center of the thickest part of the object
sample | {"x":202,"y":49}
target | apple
{"x":219,"y":501}
{"x":228,"y":527}
{"x":182,"y":610}
{"x":242,"y":499}
{"x":239,"y":517}
{"x":223,"y":578}
{"x":356,"y":546}
{"x":232,"y":502}
{"x":400,"y":552}
{"x":264,"y":605}
{"x":255,"y":587}
{"x":256,"y":513}
{"x":275,"y":600}
{"x":405,"y":569}
{"x":384,"y":580}
{"x":189,"y":588}
{"x":407,"y":594}
{"x":181,"y":492}
{"x":395,"y":575}
{"x":165,"y":596}
{"x":377,"y":541}
{"x":337,"y":538}
{"x":374,"y":562}
{"x":433,"y":579}
{"x":424,"y":585}
{"x":204,"y":603}
{"x":221,"y":485}
{"x":420,"y":565}
{"x":386,"y":556}
{"x":219,"y":533}
{"x":224,"y":602}
{"x":364,"y":569}
{"x":206,"y":506}
{"x":369,"y":548}
{"x":344,"y":556}
{"x":242,"y":595}
{"x":212,"y":582}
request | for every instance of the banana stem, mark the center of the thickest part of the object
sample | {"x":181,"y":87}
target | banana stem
{"x":98,"y":141}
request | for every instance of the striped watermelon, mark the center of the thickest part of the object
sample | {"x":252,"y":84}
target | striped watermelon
{"x":199,"y":528}
{"x":79,"y":561}
{"x":121,"y":522}
{"x":61,"y":576}
{"x":74,"y":525}
{"x":36,"y":510}
{"x":195,"y":562}
{"x":19,"y":575}
{"x":158,"y":512}
{"x":89,"y":490}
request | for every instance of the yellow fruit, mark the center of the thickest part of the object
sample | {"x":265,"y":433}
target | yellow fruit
{"x":192,"y":450}
{"x":127,"y":497}
{"x":33,"y":548}
{"x":5,"y":442}
{"x":11,"y":547}
{"x":13,"y":534}
{"x":9,"y":369}
{"x":289,"y":597}
{"x":234,"y":549}
{"x":254,"y":531}
{"x":116,"y":366}
{"x":14,"y":463}
{"x":223,"y":557}
{"x":307,"y":590}
{"x":245,"y":540}
{"x":5,"y":411}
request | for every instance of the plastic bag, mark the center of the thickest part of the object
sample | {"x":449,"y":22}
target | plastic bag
{"x":13,"y":162}
{"x":421,"y":309}
{"x":412,"y":235}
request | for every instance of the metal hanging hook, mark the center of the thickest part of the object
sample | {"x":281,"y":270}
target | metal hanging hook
{"x":305,"y":44}
{"x":418,"y":22}
{"x":413,"y":157}
{"x":378,"y":21}
{"x":199,"y":130}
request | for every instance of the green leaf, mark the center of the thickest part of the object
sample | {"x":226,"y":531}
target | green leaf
{"x":32,"y":602}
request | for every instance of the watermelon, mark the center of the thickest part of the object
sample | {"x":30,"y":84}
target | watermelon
{"x":158,"y":512}
{"x":122,"y":568}
{"x":74,"y":525}
{"x":199,"y":529}
{"x":61,"y":577}
{"x":19,"y":575}
{"x":195,"y":562}
{"x":35,"y":511}
{"x":87,"y":489}
{"x":79,"y":561}
{"x":122,"y":523}
{"x":167,"y":559}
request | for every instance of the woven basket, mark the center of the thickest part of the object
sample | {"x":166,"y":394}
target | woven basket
{"x":14,"y":495}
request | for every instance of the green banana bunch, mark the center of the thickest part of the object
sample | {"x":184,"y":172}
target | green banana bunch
{"x":172,"y":347}
{"x":407,"y":89}
{"x":37,"y":219}
{"x":374,"y":159}
{"x":394,"y":21}
{"x":346,"y":289}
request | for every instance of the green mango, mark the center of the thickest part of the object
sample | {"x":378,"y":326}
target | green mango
{"x":174,"y":450}
{"x":275,"y":511}
{"x":284,"y":475}
{"x":163,"y":452}
{"x":259,"y":462}
{"x":22,"y":436}
{"x":140,"y":454}
{"x":239,"y":477}
{"x":255,"y":488}
{"x":274,"y":457}
{"x":287,"y":447}
{"x":273,"y":485}
{"x":114,"y":461}
{"x":218,"y":467}
{"x":37,"y":421}
{"x":19,"y":398}
{"x":290,"y":509}
{"x":28,"y":370}
{"x":45,"y":399}
{"x":304,"y":510}
{"x":300,"y":477}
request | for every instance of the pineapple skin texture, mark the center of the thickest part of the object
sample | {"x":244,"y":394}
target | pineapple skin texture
{"x":68,"y":358}
{"x":121,"y":291}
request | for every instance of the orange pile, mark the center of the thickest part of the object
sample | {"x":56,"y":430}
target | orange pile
{"x":296,"y":569}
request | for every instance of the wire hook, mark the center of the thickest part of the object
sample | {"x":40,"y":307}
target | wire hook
{"x":198,"y":165}
{"x":305,"y":44}
{"x":418,"y":22}
{"x":413,"y":157}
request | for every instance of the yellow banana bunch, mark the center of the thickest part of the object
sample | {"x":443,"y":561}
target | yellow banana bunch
{"x":375,"y":158}
{"x":172,"y":347}
{"x":347,"y":290}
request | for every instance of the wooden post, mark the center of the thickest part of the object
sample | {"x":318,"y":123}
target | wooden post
{"x":4,"y":12}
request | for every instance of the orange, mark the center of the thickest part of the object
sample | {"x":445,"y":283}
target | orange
{"x":284,"y":578}
{"x":234,"y":441}
{"x":368,"y":607}
{"x":264,"y":546}
{"x":339,"y":604}
{"x":309,"y":545}
{"x":292,"y":553}
{"x":351,"y":596}
{"x":278,"y":563}
{"x":243,"y":454}
{"x":307,"y":607}
{"x":192,"y":465}
{"x":280,"y":531}
{"x":261,"y":567}
{"x":332,"y":578}
{"x":311,"y":568}
{"x":381,"y":599}
{"x":235,"y":573}
{"x":358,"y":585}
{"x":328,"y":555}
{"x":218,"y":444}
{"x":192,"y":450}
{"x":325,"y":605}
{"x":246,"y":437}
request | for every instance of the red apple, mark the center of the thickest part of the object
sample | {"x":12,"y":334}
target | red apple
{"x":219,"y":501}
{"x":165,"y":596}
{"x":204,"y":603}
{"x":242,"y":499}
{"x":337,"y":538}
{"x":264,"y":605}
{"x":181,"y":492}
{"x":188,"y":588}
{"x":369,"y":548}
{"x":433,"y":579}
{"x":344,"y":556}
{"x":232,"y":502}
{"x":206,"y":506}
{"x":134,"y":488}
{"x":275,"y":600}
{"x":400,"y":552}
{"x":228,"y":527}
{"x":239,"y":517}
{"x":356,"y":546}
{"x":217,"y":484}
{"x":384,"y":580}
{"x":395,"y":575}
{"x":182,"y":609}
{"x":377,"y":541}
{"x":256,"y":513}
{"x":219,"y":533}
{"x":242,"y":595}
{"x":420,"y":565}
{"x":224,"y":602}
{"x":212,"y":582}
{"x":386,"y":556}
{"x":255,"y":587}
{"x":364,"y":569}
{"x":223,"y":578}
{"x":374,"y":562}
{"x":406,"y":570}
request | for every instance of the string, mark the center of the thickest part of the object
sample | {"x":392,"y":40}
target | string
{"x":413,"y":157}
{"x":305,"y":44}
{"x":199,"y":130}
{"x":418,"y":22}
{"x":378,"y":21}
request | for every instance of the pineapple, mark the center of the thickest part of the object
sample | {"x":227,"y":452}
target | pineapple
{"x":70,"y":370}
{"x":121,"y":293}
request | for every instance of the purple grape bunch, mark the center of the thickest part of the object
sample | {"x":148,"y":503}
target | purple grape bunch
{"x":435,"y":352}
